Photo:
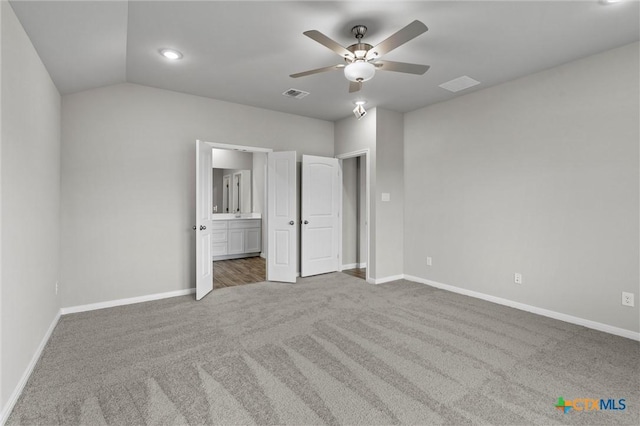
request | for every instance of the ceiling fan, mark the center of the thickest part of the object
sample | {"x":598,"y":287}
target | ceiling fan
{"x":362,"y":59}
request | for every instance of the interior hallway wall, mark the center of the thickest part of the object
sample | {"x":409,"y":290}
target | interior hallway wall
{"x":389,"y":180}
{"x":349,"y":211}
{"x":538,"y":176}
{"x":382,"y":132}
{"x":354,"y":135}
{"x":30,"y":209}
{"x":128,"y":179}
{"x":362,"y":211}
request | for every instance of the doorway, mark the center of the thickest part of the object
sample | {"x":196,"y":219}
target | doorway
{"x":238,"y":190}
{"x":355,"y":218}
{"x":281,"y":235}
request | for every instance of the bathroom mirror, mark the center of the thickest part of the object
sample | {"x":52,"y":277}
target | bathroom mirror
{"x":232,"y":191}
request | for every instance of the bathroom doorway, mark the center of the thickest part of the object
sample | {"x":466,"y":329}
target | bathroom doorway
{"x":238,"y":182}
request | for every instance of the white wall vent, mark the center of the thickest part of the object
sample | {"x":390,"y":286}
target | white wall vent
{"x":460,"y":83}
{"x":295,"y":93}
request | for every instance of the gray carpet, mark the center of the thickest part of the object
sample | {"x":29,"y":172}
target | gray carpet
{"x":330,"y":349}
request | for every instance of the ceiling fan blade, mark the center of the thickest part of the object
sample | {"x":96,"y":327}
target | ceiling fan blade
{"x":409,"y":32}
{"x":317,"y":70}
{"x":327,"y":42}
{"x":401,"y":67}
{"x":355,"y":86}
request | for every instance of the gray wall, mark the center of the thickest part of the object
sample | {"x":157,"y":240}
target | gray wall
{"x":230,"y":159}
{"x":259,"y":172}
{"x":349,"y":211}
{"x":382,"y":132}
{"x":389,"y":179}
{"x":537,"y":176}
{"x":218,"y":192}
{"x":30,"y":210}
{"x":126,"y":220}
{"x":353,"y":135}
{"x":362,"y":182}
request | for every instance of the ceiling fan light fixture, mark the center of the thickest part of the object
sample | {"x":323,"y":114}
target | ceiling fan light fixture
{"x":359,"y":110}
{"x":359,"y":71}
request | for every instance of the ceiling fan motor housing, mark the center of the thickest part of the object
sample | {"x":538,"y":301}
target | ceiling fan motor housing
{"x":359,"y":50}
{"x":359,"y":31}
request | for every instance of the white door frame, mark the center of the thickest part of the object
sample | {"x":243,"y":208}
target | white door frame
{"x":366,"y":153}
{"x":252,"y":149}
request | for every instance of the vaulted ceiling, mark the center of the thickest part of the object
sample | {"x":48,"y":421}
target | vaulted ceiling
{"x":244,"y":52}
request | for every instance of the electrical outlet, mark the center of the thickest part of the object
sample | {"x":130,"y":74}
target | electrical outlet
{"x":429,"y":261}
{"x":627,"y":299}
{"x":57,"y":287}
{"x":517,"y":278}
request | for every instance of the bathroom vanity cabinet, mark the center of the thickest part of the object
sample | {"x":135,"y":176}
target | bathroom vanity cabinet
{"x":236,"y":238}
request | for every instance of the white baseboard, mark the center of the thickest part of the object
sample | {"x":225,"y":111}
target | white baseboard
{"x":6,"y":410}
{"x":386,"y":279}
{"x":353,"y":266}
{"x":122,"y":302}
{"x":533,"y":309}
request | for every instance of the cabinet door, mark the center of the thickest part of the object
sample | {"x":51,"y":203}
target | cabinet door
{"x":252,"y":240}
{"x":236,"y":241}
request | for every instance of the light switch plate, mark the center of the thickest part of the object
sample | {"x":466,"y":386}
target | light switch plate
{"x":386,"y":196}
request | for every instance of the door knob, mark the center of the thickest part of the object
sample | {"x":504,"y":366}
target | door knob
{"x":306,"y":222}
{"x":202,"y":227}
{"x":291,"y":222}
{"x":194,"y":227}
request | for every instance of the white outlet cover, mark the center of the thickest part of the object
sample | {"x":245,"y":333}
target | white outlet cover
{"x":429,"y":261}
{"x":628,"y":297}
{"x":386,"y":196}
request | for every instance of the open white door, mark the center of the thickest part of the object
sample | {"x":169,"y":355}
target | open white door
{"x":321,"y":222}
{"x":282,"y":230}
{"x":204,"y":212}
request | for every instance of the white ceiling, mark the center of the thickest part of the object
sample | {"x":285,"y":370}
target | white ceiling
{"x":243,"y":52}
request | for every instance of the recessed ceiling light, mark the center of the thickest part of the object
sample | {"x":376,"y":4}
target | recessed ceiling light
{"x":171,"y":54}
{"x":610,"y":1}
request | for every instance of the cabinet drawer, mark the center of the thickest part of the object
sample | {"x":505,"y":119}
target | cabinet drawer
{"x":219,"y":249}
{"x":219,"y":236}
{"x":244,"y":224}
{"x":219,"y":224}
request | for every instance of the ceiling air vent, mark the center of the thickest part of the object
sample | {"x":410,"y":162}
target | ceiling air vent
{"x":295,"y":93}
{"x":460,"y":83}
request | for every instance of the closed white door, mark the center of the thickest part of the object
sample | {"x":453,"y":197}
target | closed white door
{"x":321,"y":222}
{"x":203,"y":227}
{"x":282,"y":230}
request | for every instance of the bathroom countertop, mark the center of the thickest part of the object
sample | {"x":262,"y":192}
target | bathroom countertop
{"x":231,"y":216}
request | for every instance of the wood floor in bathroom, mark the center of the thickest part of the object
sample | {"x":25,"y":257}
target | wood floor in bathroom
{"x":229,"y":273}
